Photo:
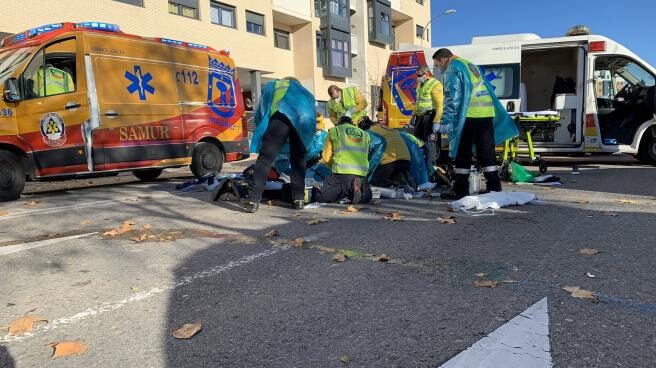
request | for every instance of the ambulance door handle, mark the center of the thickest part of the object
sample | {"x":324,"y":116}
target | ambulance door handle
{"x":111,"y":114}
{"x":72,"y":106}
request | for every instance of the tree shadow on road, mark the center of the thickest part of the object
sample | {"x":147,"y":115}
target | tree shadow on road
{"x":6,"y":361}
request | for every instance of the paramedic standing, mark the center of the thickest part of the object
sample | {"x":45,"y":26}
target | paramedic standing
{"x":347,"y":101}
{"x":428,"y":109}
{"x":472,"y":113}
{"x":286,"y":112}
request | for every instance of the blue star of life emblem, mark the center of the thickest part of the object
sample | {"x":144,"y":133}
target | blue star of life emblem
{"x":140,"y":82}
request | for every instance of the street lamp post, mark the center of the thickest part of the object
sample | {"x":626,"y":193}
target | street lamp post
{"x":446,"y":12}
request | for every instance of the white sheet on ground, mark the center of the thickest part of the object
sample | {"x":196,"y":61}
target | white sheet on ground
{"x":494,"y":200}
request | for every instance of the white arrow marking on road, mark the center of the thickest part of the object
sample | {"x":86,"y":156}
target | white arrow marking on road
{"x":523,"y":342}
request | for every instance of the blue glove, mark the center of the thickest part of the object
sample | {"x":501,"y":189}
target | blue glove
{"x":440,"y":128}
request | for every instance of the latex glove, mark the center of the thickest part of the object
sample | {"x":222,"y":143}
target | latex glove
{"x":349,"y":113}
{"x":439,"y":128}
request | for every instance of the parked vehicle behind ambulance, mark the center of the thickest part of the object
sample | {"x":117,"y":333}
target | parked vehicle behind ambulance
{"x":603,"y":93}
{"x":86,"y":99}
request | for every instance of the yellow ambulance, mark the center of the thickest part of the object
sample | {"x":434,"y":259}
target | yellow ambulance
{"x":87,"y":99}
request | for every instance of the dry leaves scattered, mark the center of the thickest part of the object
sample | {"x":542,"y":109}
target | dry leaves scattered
{"x":383,"y":258}
{"x":577,"y":292}
{"x":147,"y":226}
{"x":3,"y":213}
{"x":486,"y":284}
{"x":85,"y":222}
{"x":124,"y":228}
{"x":24,"y":324}
{"x":344,"y":359}
{"x":316,"y":221}
{"x":350,"y":209}
{"x":298,"y":242}
{"x":340,"y":257}
{"x":324,"y":250}
{"x":626,"y":201}
{"x":272,"y":234}
{"x":450,"y":220}
{"x":188,"y":330}
{"x":66,"y":348}
{"x":481,"y":274}
{"x":394,"y":216}
{"x":32,"y":203}
{"x":582,"y":202}
{"x":588,"y":251}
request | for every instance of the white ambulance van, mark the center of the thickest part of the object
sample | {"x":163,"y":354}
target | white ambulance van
{"x":603,"y":92}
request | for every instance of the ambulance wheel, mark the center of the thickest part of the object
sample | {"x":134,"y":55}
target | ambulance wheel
{"x":148,"y":174}
{"x":647,"y":151}
{"x":12,"y":177}
{"x":207,"y":158}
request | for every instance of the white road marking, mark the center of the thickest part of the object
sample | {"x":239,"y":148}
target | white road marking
{"x":111,"y":306}
{"x":523,"y":342}
{"x":78,"y":205}
{"x":10,"y":249}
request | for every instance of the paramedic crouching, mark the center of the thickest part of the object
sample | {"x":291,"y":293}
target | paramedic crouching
{"x":473,"y":116}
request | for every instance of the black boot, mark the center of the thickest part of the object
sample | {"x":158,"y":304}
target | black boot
{"x":298,"y":204}
{"x":460,"y":188}
{"x":492,"y":181}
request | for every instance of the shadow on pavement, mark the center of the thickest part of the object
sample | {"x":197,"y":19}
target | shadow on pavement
{"x":6,"y":361}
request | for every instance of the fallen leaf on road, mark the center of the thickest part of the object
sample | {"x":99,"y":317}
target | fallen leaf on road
{"x":509,"y":282}
{"x":296,"y":215}
{"x":383,"y":258}
{"x":344,"y":359}
{"x":24,"y":324}
{"x":351,"y":209}
{"x":481,"y":274}
{"x":588,"y":251}
{"x":340,"y":257}
{"x":324,"y":250}
{"x":134,"y":289}
{"x":85,"y":222}
{"x":316,"y":221}
{"x":582,"y":202}
{"x":590,"y":275}
{"x":272,"y":233}
{"x":147,"y":226}
{"x":447,"y":220}
{"x":486,"y":284}
{"x":32,"y":203}
{"x":66,"y":348}
{"x":394,"y":216}
{"x":127,"y":226}
{"x":626,"y":201}
{"x":577,"y":292}
{"x":298,"y":242}
{"x":188,"y":330}
{"x":3,"y":213}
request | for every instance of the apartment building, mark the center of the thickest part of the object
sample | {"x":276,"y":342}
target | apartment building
{"x":320,"y":42}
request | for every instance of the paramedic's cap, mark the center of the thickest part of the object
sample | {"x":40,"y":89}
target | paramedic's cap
{"x":423,"y":70}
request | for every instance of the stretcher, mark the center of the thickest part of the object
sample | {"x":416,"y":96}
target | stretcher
{"x":531,"y":124}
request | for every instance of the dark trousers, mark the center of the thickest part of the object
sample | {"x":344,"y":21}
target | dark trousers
{"x":477,"y":132}
{"x":280,"y":129}
{"x":423,"y":131}
{"x":338,"y":186}
{"x":386,"y":175}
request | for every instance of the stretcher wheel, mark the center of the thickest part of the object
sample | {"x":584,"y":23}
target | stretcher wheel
{"x":543,"y":167}
{"x":504,"y":172}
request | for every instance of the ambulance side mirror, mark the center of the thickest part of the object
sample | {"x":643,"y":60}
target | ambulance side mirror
{"x":11,"y":90}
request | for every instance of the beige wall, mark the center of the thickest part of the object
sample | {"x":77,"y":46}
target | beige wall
{"x":250,"y":51}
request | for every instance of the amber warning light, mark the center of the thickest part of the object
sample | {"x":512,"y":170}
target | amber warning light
{"x":597,"y":46}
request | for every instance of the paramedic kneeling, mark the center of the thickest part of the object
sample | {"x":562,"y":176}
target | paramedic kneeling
{"x":346,"y":152}
{"x":468,"y":119}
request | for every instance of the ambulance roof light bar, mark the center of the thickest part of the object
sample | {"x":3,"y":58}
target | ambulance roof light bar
{"x":99,"y":26}
{"x":32,"y":32}
{"x":597,"y":46}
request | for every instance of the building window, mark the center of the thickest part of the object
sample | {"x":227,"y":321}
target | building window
{"x":340,"y":53}
{"x":339,"y":8}
{"x":393,"y":43}
{"x":185,"y":8}
{"x":420,"y":32}
{"x":320,"y":7}
{"x":322,"y":107}
{"x":254,"y":23}
{"x":321,"y":50}
{"x":223,"y":14}
{"x":281,"y":39}
{"x":380,"y":25}
{"x":132,"y":2}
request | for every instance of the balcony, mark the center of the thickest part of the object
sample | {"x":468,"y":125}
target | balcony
{"x":292,"y":12}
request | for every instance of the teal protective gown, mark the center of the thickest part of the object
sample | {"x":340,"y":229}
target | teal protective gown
{"x":457,"y":94}
{"x":298,"y":105}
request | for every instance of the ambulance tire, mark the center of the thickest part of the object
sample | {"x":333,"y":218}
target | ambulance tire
{"x":148,"y":174}
{"x":647,"y":151}
{"x":12,"y":176}
{"x":207,"y":158}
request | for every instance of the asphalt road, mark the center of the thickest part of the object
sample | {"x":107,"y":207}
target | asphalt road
{"x":263,"y":302}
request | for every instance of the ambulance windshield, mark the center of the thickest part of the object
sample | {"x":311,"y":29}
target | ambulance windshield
{"x":12,"y":59}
